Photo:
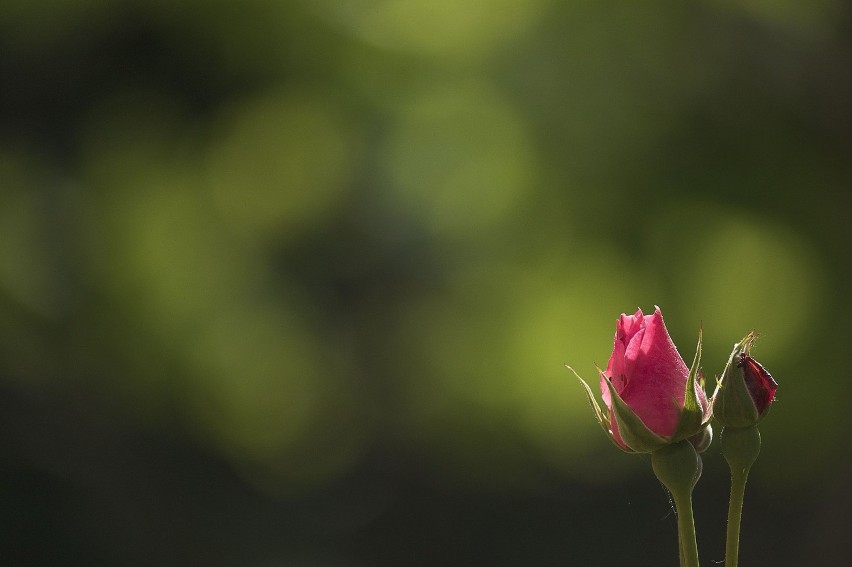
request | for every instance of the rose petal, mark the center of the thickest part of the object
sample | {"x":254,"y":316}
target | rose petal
{"x":626,"y":327}
{"x":761,"y":385}
{"x":634,"y":350}
{"x":656,"y":377}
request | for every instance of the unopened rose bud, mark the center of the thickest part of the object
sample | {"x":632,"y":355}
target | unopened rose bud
{"x":746,"y":390}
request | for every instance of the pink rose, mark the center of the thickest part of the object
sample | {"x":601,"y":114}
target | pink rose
{"x":649,"y":376}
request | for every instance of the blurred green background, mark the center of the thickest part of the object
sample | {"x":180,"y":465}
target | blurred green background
{"x":293,"y":282}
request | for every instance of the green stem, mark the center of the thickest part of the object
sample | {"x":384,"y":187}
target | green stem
{"x":686,"y":529}
{"x":735,"y":512}
{"x":678,"y":467}
{"x":740,"y":446}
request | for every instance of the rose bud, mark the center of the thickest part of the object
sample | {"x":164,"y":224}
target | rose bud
{"x":745,"y":391}
{"x":652,"y":399}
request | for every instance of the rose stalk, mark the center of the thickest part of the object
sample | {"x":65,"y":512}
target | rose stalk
{"x":655,"y":404}
{"x":742,"y":398}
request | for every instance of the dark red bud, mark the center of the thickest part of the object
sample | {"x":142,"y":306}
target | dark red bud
{"x":761,"y":385}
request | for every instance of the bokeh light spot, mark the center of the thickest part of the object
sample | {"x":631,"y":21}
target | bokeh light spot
{"x":280,"y":163}
{"x":462,"y":30}
{"x":458,"y":159}
{"x":752,"y":274}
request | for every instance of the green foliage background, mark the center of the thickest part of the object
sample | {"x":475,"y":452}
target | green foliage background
{"x":293,"y":282}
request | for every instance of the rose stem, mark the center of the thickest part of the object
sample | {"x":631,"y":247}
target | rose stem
{"x":740,"y":446}
{"x":735,"y":512}
{"x":686,"y":530}
{"x":678,"y":467}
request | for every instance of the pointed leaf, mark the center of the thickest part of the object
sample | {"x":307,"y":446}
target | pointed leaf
{"x":692,"y":414}
{"x":602,"y":418}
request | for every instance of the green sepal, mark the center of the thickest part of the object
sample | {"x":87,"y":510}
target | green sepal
{"x":603,"y":418}
{"x":732,"y":403}
{"x":693,"y":417}
{"x":633,"y":431}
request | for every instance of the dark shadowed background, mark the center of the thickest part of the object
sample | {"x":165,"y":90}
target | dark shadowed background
{"x":293,"y":283}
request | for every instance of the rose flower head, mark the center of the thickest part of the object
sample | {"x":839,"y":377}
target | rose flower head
{"x":745,"y":391}
{"x":652,"y":398}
